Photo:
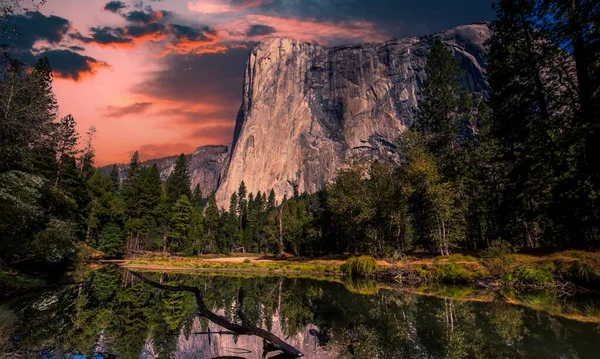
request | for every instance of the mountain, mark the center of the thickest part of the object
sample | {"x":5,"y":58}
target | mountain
{"x":206,"y":166}
{"x":307,"y":110}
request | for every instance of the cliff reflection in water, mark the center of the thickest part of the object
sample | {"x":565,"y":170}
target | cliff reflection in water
{"x":116,"y":314}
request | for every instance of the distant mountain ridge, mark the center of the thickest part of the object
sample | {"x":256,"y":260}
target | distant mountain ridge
{"x":206,"y":166}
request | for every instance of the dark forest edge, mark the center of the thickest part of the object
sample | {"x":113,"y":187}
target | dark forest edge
{"x":517,"y":170}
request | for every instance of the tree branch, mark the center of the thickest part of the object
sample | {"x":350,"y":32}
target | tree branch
{"x":222,"y":321}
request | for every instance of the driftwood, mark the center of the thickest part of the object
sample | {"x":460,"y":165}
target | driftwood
{"x":246,"y":328}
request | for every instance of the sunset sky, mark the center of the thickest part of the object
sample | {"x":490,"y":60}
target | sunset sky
{"x":164,"y":76}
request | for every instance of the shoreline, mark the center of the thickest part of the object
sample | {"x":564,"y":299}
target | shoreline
{"x":566,"y":271}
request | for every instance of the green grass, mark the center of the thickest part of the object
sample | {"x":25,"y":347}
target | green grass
{"x":10,"y":281}
{"x":246,"y":265}
{"x":454,"y":273}
{"x":359,"y":266}
{"x":498,"y":264}
{"x":531,"y":276}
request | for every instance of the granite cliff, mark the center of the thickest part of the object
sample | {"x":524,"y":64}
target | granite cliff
{"x":307,"y":110}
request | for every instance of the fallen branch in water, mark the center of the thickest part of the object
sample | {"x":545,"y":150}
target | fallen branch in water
{"x":247,"y":328}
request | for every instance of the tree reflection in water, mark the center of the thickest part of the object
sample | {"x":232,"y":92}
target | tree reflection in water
{"x":114,"y":312}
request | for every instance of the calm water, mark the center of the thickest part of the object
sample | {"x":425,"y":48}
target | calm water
{"x":118,"y":315}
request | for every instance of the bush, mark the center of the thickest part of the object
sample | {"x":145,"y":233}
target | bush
{"x":247,"y":261}
{"x":359,"y":266}
{"x":497,"y":258}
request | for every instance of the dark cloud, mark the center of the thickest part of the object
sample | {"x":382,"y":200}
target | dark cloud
{"x":138,"y":31}
{"x":260,"y":30}
{"x":70,"y":65}
{"x":398,"y":17}
{"x":32,"y":27}
{"x":104,"y":36}
{"x":120,"y":111}
{"x":190,"y":33}
{"x":146,"y":17}
{"x":114,"y":6}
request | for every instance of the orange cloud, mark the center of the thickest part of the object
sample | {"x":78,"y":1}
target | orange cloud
{"x":216,"y":6}
{"x":194,"y":46}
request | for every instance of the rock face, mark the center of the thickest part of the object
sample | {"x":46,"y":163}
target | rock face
{"x":206,"y":165}
{"x":307,"y":110}
{"x":223,"y":346}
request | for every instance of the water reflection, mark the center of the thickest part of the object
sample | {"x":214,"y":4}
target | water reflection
{"x":115,"y":314}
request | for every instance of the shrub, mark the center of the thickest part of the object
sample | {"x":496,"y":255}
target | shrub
{"x":497,"y":258}
{"x":359,"y":266}
{"x":246,"y":261}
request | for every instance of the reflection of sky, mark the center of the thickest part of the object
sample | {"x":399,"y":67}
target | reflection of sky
{"x":165,"y":76}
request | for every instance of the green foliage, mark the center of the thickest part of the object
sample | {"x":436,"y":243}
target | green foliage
{"x":246,"y":261}
{"x":181,"y":224}
{"x":359,"y":266}
{"x":112,"y":240}
{"x":179,"y":184}
{"x":497,"y":258}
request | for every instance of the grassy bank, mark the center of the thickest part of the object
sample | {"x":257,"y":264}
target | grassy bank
{"x":248,"y":264}
{"x":12,"y":283}
{"x":576,"y":269}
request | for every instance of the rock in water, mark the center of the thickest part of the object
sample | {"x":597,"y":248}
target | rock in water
{"x":307,"y":110}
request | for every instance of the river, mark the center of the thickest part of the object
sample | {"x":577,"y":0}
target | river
{"x":113,"y":314}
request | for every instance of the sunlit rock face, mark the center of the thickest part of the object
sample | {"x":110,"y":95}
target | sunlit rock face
{"x":206,"y":165}
{"x":197,"y":345}
{"x":307,"y":110}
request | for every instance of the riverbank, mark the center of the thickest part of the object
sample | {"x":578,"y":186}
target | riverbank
{"x":567,"y":270}
{"x":13,"y":283}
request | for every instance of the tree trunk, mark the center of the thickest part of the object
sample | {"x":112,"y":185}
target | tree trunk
{"x":245,"y":328}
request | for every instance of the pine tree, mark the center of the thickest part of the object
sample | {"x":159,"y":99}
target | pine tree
{"x":66,"y":141}
{"x":112,"y":241}
{"x":114,"y":177}
{"x":211,"y":215}
{"x":271,"y":202}
{"x":531,"y":124}
{"x":179,"y":183}
{"x":242,"y":205}
{"x":181,"y":225}
{"x":88,"y":155}
{"x":197,"y":198}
